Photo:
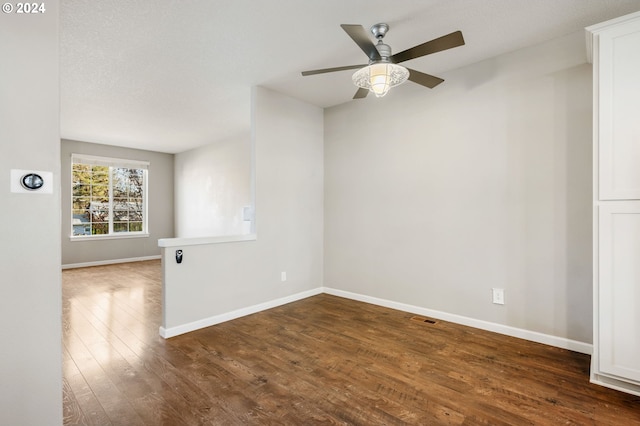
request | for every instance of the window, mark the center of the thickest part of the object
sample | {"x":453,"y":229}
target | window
{"x":109,"y":197}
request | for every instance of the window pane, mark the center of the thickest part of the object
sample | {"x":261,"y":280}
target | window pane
{"x":81,"y":221}
{"x":100,"y":215}
{"x":121,"y":215}
{"x":81,"y":174}
{"x":119,"y":191}
{"x":80,"y":216}
{"x":81,"y":229}
{"x":136,"y":192}
{"x":100,"y":191}
{"x":120,"y":227}
{"x":135,"y":226}
{"x":135,"y":215}
{"x":81,"y":203}
{"x":80,"y":190}
{"x":120,"y":188}
{"x":100,"y":179}
{"x":99,"y":228}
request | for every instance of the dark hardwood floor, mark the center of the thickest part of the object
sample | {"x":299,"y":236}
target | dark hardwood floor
{"x":322,"y":360}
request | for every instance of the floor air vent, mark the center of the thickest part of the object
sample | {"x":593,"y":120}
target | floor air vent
{"x":423,"y":319}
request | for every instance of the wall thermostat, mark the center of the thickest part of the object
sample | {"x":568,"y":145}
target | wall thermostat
{"x":32,"y":181}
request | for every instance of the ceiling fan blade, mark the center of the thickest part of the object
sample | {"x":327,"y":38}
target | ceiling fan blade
{"x":423,"y":79}
{"x":361,"y":93}
{"x":360,"y":36}
{"x":325,"y":70}
{"x":448,"y":41}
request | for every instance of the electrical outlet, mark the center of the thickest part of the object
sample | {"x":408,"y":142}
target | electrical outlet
{"x":283,"y":276}
{"x":498,"y":296}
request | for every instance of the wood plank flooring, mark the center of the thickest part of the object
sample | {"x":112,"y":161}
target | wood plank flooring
{"x":322,"y":360}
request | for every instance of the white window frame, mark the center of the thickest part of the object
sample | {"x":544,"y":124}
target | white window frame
{"x":112,"y":163}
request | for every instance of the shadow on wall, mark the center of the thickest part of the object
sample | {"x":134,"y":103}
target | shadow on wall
{"x":550,"y":254}
{"x":578,"y":168}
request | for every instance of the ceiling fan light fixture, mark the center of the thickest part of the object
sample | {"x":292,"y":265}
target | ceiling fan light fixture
{"x":379,"y":77}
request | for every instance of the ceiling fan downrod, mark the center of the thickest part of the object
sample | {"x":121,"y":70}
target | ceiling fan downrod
{"x":379,"y":31}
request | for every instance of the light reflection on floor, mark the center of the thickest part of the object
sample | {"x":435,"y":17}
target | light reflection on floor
{"x":107,"y":319}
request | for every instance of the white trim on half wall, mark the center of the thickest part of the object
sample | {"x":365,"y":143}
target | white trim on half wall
{"x":238,"y":313}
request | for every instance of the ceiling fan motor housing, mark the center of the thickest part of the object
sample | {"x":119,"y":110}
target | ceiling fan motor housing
{"x":384,"y":50}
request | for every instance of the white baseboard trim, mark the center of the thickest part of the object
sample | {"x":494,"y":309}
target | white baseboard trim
{"x":560,"y":342}
{"x":110,"y":262}
{"x":613,"y":383}
{"x":228,"y":316}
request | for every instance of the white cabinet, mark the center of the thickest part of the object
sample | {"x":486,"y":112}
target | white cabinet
{"x":615,"y":47}
{"x":616,"y":68}
{"x":619,"y":289}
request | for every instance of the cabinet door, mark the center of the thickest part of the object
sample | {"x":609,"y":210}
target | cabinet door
{"x":617,"y":68}
{"x":619,"y":289}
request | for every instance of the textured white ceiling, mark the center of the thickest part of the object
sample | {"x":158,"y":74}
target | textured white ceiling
{"x":172,"y":75}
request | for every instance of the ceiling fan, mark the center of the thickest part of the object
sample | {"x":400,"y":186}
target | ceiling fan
{"x":383,"y":72}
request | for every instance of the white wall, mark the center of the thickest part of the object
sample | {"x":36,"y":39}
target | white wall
{"x":433,"y":197}
{"x":212,"y":186}
{"x":160,"y":208}
{"x":30,"y":287}
{"x":215,"y":279}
